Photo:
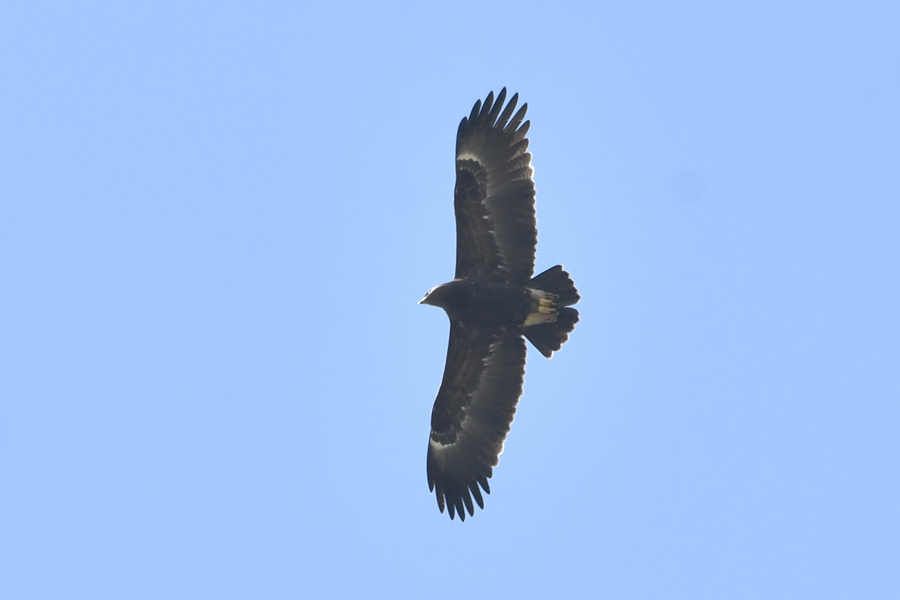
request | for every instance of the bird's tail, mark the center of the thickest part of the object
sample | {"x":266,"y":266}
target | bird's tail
{"x":550,"y":320}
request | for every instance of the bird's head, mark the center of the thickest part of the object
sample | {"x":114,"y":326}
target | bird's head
{"x":454,"y":297}
{"x":443,"y":295}
{"x":433,"y":297}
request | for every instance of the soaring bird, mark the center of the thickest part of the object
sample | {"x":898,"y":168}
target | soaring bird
{"x":492,"y":302}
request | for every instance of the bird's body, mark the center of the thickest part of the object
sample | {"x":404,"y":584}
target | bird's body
{"x":492,"y":302}
{"x":485,"y":304}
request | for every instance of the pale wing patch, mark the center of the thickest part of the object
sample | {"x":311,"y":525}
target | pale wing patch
{"x":439,"y":452}
{"x":492,"y":347}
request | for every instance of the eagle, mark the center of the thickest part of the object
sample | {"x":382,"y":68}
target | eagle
{"x":493,"y":304}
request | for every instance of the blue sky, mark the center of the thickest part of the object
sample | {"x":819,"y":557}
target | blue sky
{"x":216,"y":221}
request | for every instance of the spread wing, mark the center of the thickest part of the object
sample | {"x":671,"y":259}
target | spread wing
{"x":472,"y":413}
{"x":496,"y":230}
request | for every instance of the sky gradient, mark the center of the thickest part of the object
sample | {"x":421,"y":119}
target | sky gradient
{"x":216,"y":222}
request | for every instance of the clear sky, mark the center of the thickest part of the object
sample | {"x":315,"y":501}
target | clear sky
{"x":216,"y":222}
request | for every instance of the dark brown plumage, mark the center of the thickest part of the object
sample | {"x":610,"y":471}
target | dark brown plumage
{"x":492,"y":303}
